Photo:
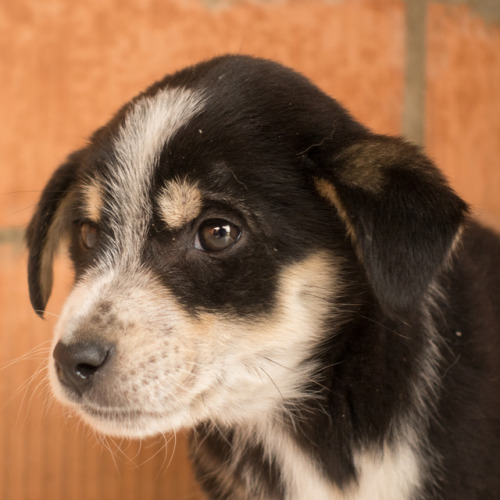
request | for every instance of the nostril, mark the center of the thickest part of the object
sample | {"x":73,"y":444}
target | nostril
{"x":99,"y":358}
{"x":76,"y":364}
{"x":85,"y":371}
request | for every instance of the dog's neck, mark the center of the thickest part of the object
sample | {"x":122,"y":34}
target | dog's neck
{"x":276,"y":460}
{"x":257,"y":461}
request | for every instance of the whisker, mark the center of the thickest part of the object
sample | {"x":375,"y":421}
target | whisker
{"x":43,"y":382}
{"x":151,"y":457}
{"x":24,"y":389}
{"x":164,"y":467}
{"x":33,"y":353}
{"x":285,"y":405}
{"x":24,"y":386}
{"x":48,"y":313}
{"x":306,"y":379}
{"x":385,"y":327}
{"x":103,"y":440}
{"x":48,"y":399}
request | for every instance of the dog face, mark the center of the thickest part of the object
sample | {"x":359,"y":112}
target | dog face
{"x":222,"y":227}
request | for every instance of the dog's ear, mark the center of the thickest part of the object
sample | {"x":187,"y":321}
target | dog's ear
{"x":45,"y":230}
{"x":399,"y":211}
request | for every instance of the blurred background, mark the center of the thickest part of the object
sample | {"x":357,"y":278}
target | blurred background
{"x":429,"y":70}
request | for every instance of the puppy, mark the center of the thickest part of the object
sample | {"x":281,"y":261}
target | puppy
{"x":310,"y":298}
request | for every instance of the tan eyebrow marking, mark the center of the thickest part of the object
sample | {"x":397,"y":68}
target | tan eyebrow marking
{"x":93,"y":200}
{"x":179,"y":202}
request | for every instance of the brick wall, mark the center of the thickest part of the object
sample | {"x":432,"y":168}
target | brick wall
{"x":429,"y":70}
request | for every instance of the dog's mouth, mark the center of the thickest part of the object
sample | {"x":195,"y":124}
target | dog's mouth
{"x":117,"y":414}
{"x":112,"y":405}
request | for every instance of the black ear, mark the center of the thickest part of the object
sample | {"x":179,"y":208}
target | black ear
{"x":400,"y":212}
{"x":45,"y":230}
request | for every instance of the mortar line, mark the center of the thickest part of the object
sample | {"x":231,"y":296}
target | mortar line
{"x":413,"y":121}
{"x":11,"y":235}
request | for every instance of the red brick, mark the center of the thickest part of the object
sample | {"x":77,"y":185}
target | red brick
{"x":463,"y":104}
{"x":69,"y":66}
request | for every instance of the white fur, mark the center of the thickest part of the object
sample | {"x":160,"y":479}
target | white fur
{"x":301,"y":476}
{"x":391,"y":473}
{"x":145,"y":132}
{"x":394,"y":473}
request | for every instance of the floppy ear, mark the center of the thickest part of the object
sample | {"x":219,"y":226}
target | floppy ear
{"x":401,"y":214}
{"x":45,"y":231}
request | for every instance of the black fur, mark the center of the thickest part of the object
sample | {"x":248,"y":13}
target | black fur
{"x":38,"y":229}
{"x":423,"y":279}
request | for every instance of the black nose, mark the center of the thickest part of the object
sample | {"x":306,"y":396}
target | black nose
{"x":77,"y":364}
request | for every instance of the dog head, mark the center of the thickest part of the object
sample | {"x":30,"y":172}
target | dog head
{"x":218,"y":225}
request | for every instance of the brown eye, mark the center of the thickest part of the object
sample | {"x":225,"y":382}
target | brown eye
{"x":88,"y":235}
{"x":216,"y":235}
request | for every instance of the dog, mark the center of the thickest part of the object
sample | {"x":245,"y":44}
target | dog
{"x":310,"y":298}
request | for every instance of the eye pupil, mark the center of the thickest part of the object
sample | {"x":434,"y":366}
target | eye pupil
{"x":220,"y":232}
{"x":216,"y":235}
{"x":88,"y":235}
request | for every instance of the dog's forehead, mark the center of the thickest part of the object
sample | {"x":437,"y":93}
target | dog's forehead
{"x":166,"y":151}
{"x":147,"y":128}
{"x":125,"y":156}
{"x":212,"y":129}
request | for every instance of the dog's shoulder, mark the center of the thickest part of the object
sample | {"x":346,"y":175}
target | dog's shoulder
{"x":469,"y":406}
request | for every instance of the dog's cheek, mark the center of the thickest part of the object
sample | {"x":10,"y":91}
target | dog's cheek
{"x":258,"y":361}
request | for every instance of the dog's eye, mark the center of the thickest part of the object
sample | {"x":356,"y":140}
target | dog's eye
{"x":216,"y":235}
{"x":88,"y":235}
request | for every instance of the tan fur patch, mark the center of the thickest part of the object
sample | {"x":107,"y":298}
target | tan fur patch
{"x":93,"y":201}
{"x":179,"y":203}
{"x":328,"y":191}
{"x":55,"y":240}
{"x":363,"y":164}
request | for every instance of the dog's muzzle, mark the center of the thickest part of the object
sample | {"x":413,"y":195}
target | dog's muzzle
{"x":78,"y":364}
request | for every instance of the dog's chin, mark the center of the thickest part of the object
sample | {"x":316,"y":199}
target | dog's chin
{"x":134,"y":424}
{"x":120,"y":421}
